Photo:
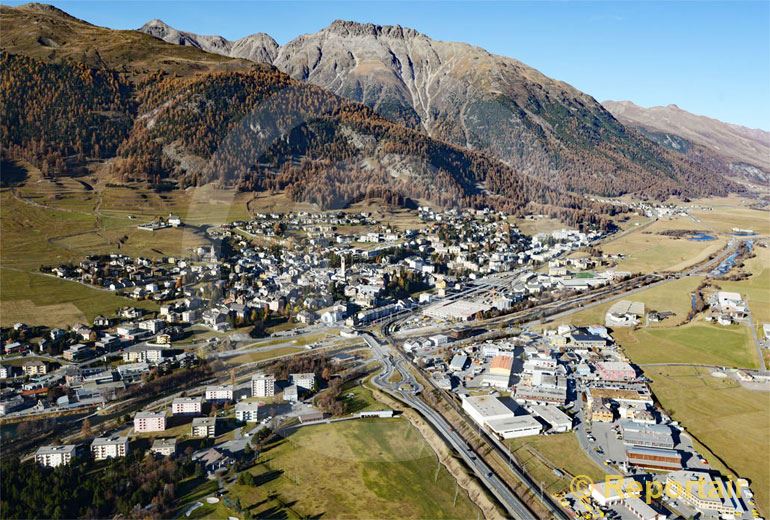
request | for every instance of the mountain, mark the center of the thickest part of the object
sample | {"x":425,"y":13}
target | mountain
{"x":466,"y":96}
{"x":134,"y":108}
{"x":259,"y":47}
{"x":743,"y":148}
{"x":44,"y":32}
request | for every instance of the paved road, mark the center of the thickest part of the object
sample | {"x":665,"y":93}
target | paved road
{"x":406,"y":391}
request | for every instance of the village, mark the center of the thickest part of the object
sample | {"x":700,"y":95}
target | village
{"x":441,"y":285}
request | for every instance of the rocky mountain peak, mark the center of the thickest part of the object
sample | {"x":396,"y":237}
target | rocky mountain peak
{"x":351,"y":28}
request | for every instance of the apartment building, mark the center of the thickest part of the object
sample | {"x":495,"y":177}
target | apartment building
{"x":106,"y":447}
{"x":187,"y":406}
{"x":149,"y":422}
{"x":219,"y":393}
{"x":55,"y":455}
{"x":262,"y":385}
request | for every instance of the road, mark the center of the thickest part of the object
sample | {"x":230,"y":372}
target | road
{"x":406,"y":391}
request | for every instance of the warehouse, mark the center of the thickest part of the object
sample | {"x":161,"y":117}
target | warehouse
{"x":483,"y":408}
{"x":461,"y":310}
{"x":515,"y":426}
{"x":647,"y":435}
{"x":556,"y":419}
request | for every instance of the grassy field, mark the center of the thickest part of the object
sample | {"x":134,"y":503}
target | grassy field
{"x":725,"y":213}
{"x":695,"y":343}
{"x":542,"y":454}
{"x":261,"y":356}
{"x":358,"y":398}
{"x":349,"y":470}
{"x":731,"y":421}
{"x":673,"y":296}
{"x":37,"y":299}
{"x":646,"y":250}
{"x":755,"y":289}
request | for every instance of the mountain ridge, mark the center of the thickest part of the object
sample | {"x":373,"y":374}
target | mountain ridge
{"x":743,"y":149}
{"x":258,"y":47}
{"x":467,"y":96}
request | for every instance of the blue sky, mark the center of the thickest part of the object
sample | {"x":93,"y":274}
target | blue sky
{"x":708,"y":57}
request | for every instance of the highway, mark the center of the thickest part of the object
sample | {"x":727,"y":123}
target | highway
{"x":406,"y":391}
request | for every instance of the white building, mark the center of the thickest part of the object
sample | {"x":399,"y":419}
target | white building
{"x":247,"y":412}
{"x":106,"y":447}
{"x":55,"y":455}
{"x":515,"y":426}
{"x":482,"y":408}
{"x":186,"y":406}
{"x":556,"y":419}
{"x":305,"y":381}
{"x":219,"y":393}
{"x":263,"y":385}
{"x":149,"y":422}
{"x":291,"y":393}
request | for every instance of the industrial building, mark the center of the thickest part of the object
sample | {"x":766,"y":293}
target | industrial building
{"x":654,"y":458}
{"x":557,"y":420}
{"x":706,"y":492}
{"x":647,"y":435}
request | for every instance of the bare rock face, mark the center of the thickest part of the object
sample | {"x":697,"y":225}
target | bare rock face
{"x":465,"y":95}
{"x":259,"y":47}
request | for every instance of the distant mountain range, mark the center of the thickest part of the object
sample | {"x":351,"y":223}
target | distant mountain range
{"x":353,"y":111}
{"x":746,"y":150}
{"x":259,"y":47}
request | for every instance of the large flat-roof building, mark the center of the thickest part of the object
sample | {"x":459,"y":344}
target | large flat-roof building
{"x":515,"y":426}
{"x":483,"y":408}
{"x":706,"y":492}
{"x":556,"y":419}
{"x":489,"y":411}
{"x":615,"y":371}
{"x":647,"y":435}
{"x":624,"y":314}
{"x":55,"y":455}
{"x":653,"y":458}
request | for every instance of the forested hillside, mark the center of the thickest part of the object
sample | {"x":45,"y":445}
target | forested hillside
{"x":188,"y":118}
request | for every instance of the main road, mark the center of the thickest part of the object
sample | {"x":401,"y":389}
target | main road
{"x":406,"y":390}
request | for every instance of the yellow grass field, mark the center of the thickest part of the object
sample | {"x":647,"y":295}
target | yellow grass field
{"x":541,"y":454}
{"x":731,"y":421}
{"x":348,"y":470}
